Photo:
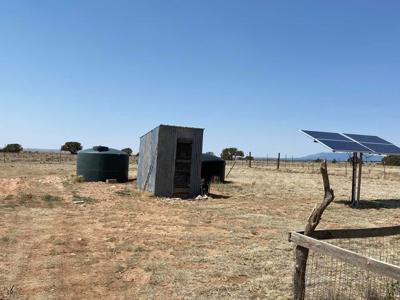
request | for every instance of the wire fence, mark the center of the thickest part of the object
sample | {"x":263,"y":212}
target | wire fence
{"x":372,"y":170}
{"x":44,"y":157}
{"x":351,"y":264}
{"x":329,"y":278}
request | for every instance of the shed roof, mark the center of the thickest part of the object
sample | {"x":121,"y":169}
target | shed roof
{"x":164,"y":125}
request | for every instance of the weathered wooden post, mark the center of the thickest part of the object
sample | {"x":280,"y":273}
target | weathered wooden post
{"x":299,"y":276}
{"x":384,"y":169}
{"x":249,"y":159}
{"x":278,"y":161}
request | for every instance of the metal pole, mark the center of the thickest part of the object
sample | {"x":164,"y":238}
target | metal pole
{"x":360,"y":163}
{"x":353,"y":183}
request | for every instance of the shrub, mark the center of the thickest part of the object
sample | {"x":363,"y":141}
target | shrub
{"x":231,"y":153}
{"x":391,"y":160}
{"x":14,"y":148}
{"x":127,"y":151}
{"x":72,"y":147}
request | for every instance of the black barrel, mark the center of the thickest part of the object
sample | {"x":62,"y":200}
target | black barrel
{"x":211,"y":167}
{"x":101,"y":163}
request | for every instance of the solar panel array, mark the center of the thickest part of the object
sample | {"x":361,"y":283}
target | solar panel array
{"x":353,"y":142}
{"x":375,"y":143}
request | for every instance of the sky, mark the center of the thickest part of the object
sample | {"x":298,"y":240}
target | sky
{"x":251,"y":73}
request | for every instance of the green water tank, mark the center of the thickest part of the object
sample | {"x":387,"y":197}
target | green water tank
{"x":101,"y":163}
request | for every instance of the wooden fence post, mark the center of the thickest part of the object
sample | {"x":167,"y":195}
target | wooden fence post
{"x":384,"y":169}
{"x":299,"y":276}
{"x":279,"y":161}
{"x":249,"y":159}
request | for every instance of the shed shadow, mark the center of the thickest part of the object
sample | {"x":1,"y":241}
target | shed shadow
{"x":374,"y":204}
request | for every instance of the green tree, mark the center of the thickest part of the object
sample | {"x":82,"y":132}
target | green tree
{"x":127,"y":151}
{"x":72,"y":147}
{"x":391,"y":160}
{"x":14,"y":148}
{"x":231,"y":153}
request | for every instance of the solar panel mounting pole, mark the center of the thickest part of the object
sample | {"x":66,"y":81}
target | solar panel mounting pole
{"x":354,"y":180}
{"x":360,"y":163}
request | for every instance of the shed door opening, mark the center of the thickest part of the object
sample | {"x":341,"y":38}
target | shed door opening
{"x":183,"y":164}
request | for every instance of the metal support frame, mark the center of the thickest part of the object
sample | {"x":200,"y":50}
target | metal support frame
{"x":354,"y":181}
{"x":360,"y":163}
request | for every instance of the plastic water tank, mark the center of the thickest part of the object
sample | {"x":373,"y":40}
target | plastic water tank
{"x":101,"y":163}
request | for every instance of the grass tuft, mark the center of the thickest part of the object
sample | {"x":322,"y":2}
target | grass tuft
{"x":51,"y":200}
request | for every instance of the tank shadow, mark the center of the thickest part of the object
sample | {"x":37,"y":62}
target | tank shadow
{"x":216,"y":196}
{"x":227,"y":182}
{"x":374,"y":204}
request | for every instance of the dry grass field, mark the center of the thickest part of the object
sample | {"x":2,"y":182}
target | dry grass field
{"x":64,"y":239}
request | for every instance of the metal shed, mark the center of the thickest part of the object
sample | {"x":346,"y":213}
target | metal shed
{"x":170,"y":161}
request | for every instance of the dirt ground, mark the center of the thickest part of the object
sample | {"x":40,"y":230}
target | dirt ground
{"x":64,"y":239}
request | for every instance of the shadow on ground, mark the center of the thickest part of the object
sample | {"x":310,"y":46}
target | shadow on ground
{"x":374,"y":204}
{"x":216,"y":196}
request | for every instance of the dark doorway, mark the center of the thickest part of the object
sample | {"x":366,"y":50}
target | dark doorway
{"x":183,"y":165}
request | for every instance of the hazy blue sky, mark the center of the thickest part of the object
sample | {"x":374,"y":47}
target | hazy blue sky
{"x":252,"y":73}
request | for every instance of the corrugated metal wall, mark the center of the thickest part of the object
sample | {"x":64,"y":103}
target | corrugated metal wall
{"x":147,"y":164}
{"x":164,"y":168}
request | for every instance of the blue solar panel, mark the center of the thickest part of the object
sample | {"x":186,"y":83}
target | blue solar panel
{"x":344,"y":146}
{"x":375,"y":143}
{"x":336,"y":142}
{"x":383,"y":148}
{"x":367,"y":139}
{"x":325,"y":135}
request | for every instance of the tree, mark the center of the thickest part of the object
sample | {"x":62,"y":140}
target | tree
{"x":127,"y":151}
{"x":231,"y":153}
{"x":14,"y":148}
{"x":391,"y":160}
{"x":239,"y":153}
{"x":249,"y":157}
{"x":72,"y":147}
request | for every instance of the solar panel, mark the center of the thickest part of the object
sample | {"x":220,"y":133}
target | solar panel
{"x":366,"y":138}
{"x":318,"y":135}
{"x":344,"y":146}
{"x":336,"y":142}
{"x":375,"y":143}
